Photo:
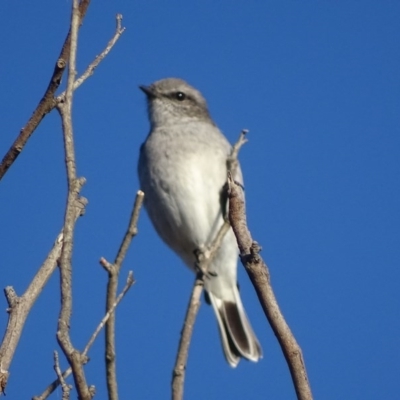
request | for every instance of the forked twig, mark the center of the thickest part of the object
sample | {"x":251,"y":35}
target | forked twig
{"x":47,"y":102}
{"x":74,"y":185}
{"x":64,"y":386}
{"x":94,"y":64}
{"x":50,"y":389}
{"x":19,"y":307}
{"x":112,"y":285}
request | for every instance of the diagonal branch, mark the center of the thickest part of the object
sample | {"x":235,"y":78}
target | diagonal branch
{"x":259,"y":275}
{"x":47,"y":102}
{"x":53,"y":386}
{"x":19,"y":307}
{"x":178,"y":374}
{"x":92,"y":66}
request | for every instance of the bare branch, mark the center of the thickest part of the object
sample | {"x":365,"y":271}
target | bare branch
{"x":64,"y":386}
{"x":90,"y":69}
{"x":178,"y":374}
{"x":50,"y":389}
{"x":260,"y":277}
{"x":19,"y":307}
{"x":47,"y":102}
{"x":233,"y":162}
{"x":129,"y":282}
{"x":112,"y":286}
{"x":74,"y":185}
{"x":204,"y":258}
{"x":132,"y":229}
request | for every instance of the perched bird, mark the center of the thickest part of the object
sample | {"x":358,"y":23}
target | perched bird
{"x":182,"y":170}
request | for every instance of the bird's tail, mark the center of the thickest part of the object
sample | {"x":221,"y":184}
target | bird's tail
{"x":237,"y":336}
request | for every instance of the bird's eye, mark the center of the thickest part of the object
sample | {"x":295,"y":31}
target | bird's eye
{"x":180,"y":96}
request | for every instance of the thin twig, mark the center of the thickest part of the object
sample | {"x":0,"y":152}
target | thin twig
{"x":260,"y":277}
{"x":19,"y":307}
{"x":232,"y":161}
{"x":74,"y":185}
{"x":129,"y":282}
{"x":112,"y":286}
{"x":204,"y":259}
{"x":178,"y":374}
{"x":64,"y":386}
{"x":50,"y":389}
{"x":132,"y":229}
{"x":47,"y":102}
{"x":92,"y":66}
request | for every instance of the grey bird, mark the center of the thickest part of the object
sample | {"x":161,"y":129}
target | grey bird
{"x":182,"y":170}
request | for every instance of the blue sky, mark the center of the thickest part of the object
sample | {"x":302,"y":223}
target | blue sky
{"x":317,"y":85}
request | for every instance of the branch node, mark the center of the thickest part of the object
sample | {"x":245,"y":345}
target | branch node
{"x":12,"y":298}
{"x":92,"y":390}
{"x":118,"y":18}
{"x":64,"y":386}
{"x":232,"y":161}
{"x":110,"y":268}
{"x":80,"y":182}
{"x":130,"y":280}
{"x":84,"y":359}
{"x":255,"y":249}
{"x":179,"y":370}
{"x":61,"y":63}
{"x":60,"y":238}
{"x":3,"y":381}
{"x":81,"y":203}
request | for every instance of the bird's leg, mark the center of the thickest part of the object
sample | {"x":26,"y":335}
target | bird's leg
{"x":202,"y":255}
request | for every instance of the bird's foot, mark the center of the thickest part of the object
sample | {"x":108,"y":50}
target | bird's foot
{"x":202,"y":255}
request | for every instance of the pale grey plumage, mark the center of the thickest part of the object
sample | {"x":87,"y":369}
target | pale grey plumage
{"x":182,"y":170}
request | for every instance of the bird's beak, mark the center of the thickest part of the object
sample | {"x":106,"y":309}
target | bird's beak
{"x":147,"y":90}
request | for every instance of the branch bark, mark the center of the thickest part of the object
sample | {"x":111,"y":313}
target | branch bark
{"x":178,"y":373}
{"x":64,"y":386}
{"x":53,"y":386}
{"x":73,"y":356}
{"x":112,"y":286}
{"x":47,"y":102}
{"x":94,"y":64}
{"x":204,"y":259}
{"x":259,"y":275}
{"x":19,"y":307}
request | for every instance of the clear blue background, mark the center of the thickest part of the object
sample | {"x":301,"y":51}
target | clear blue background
{"x":317,"y":84}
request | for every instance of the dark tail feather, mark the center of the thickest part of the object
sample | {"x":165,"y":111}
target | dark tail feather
{"x":237,"y":337}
